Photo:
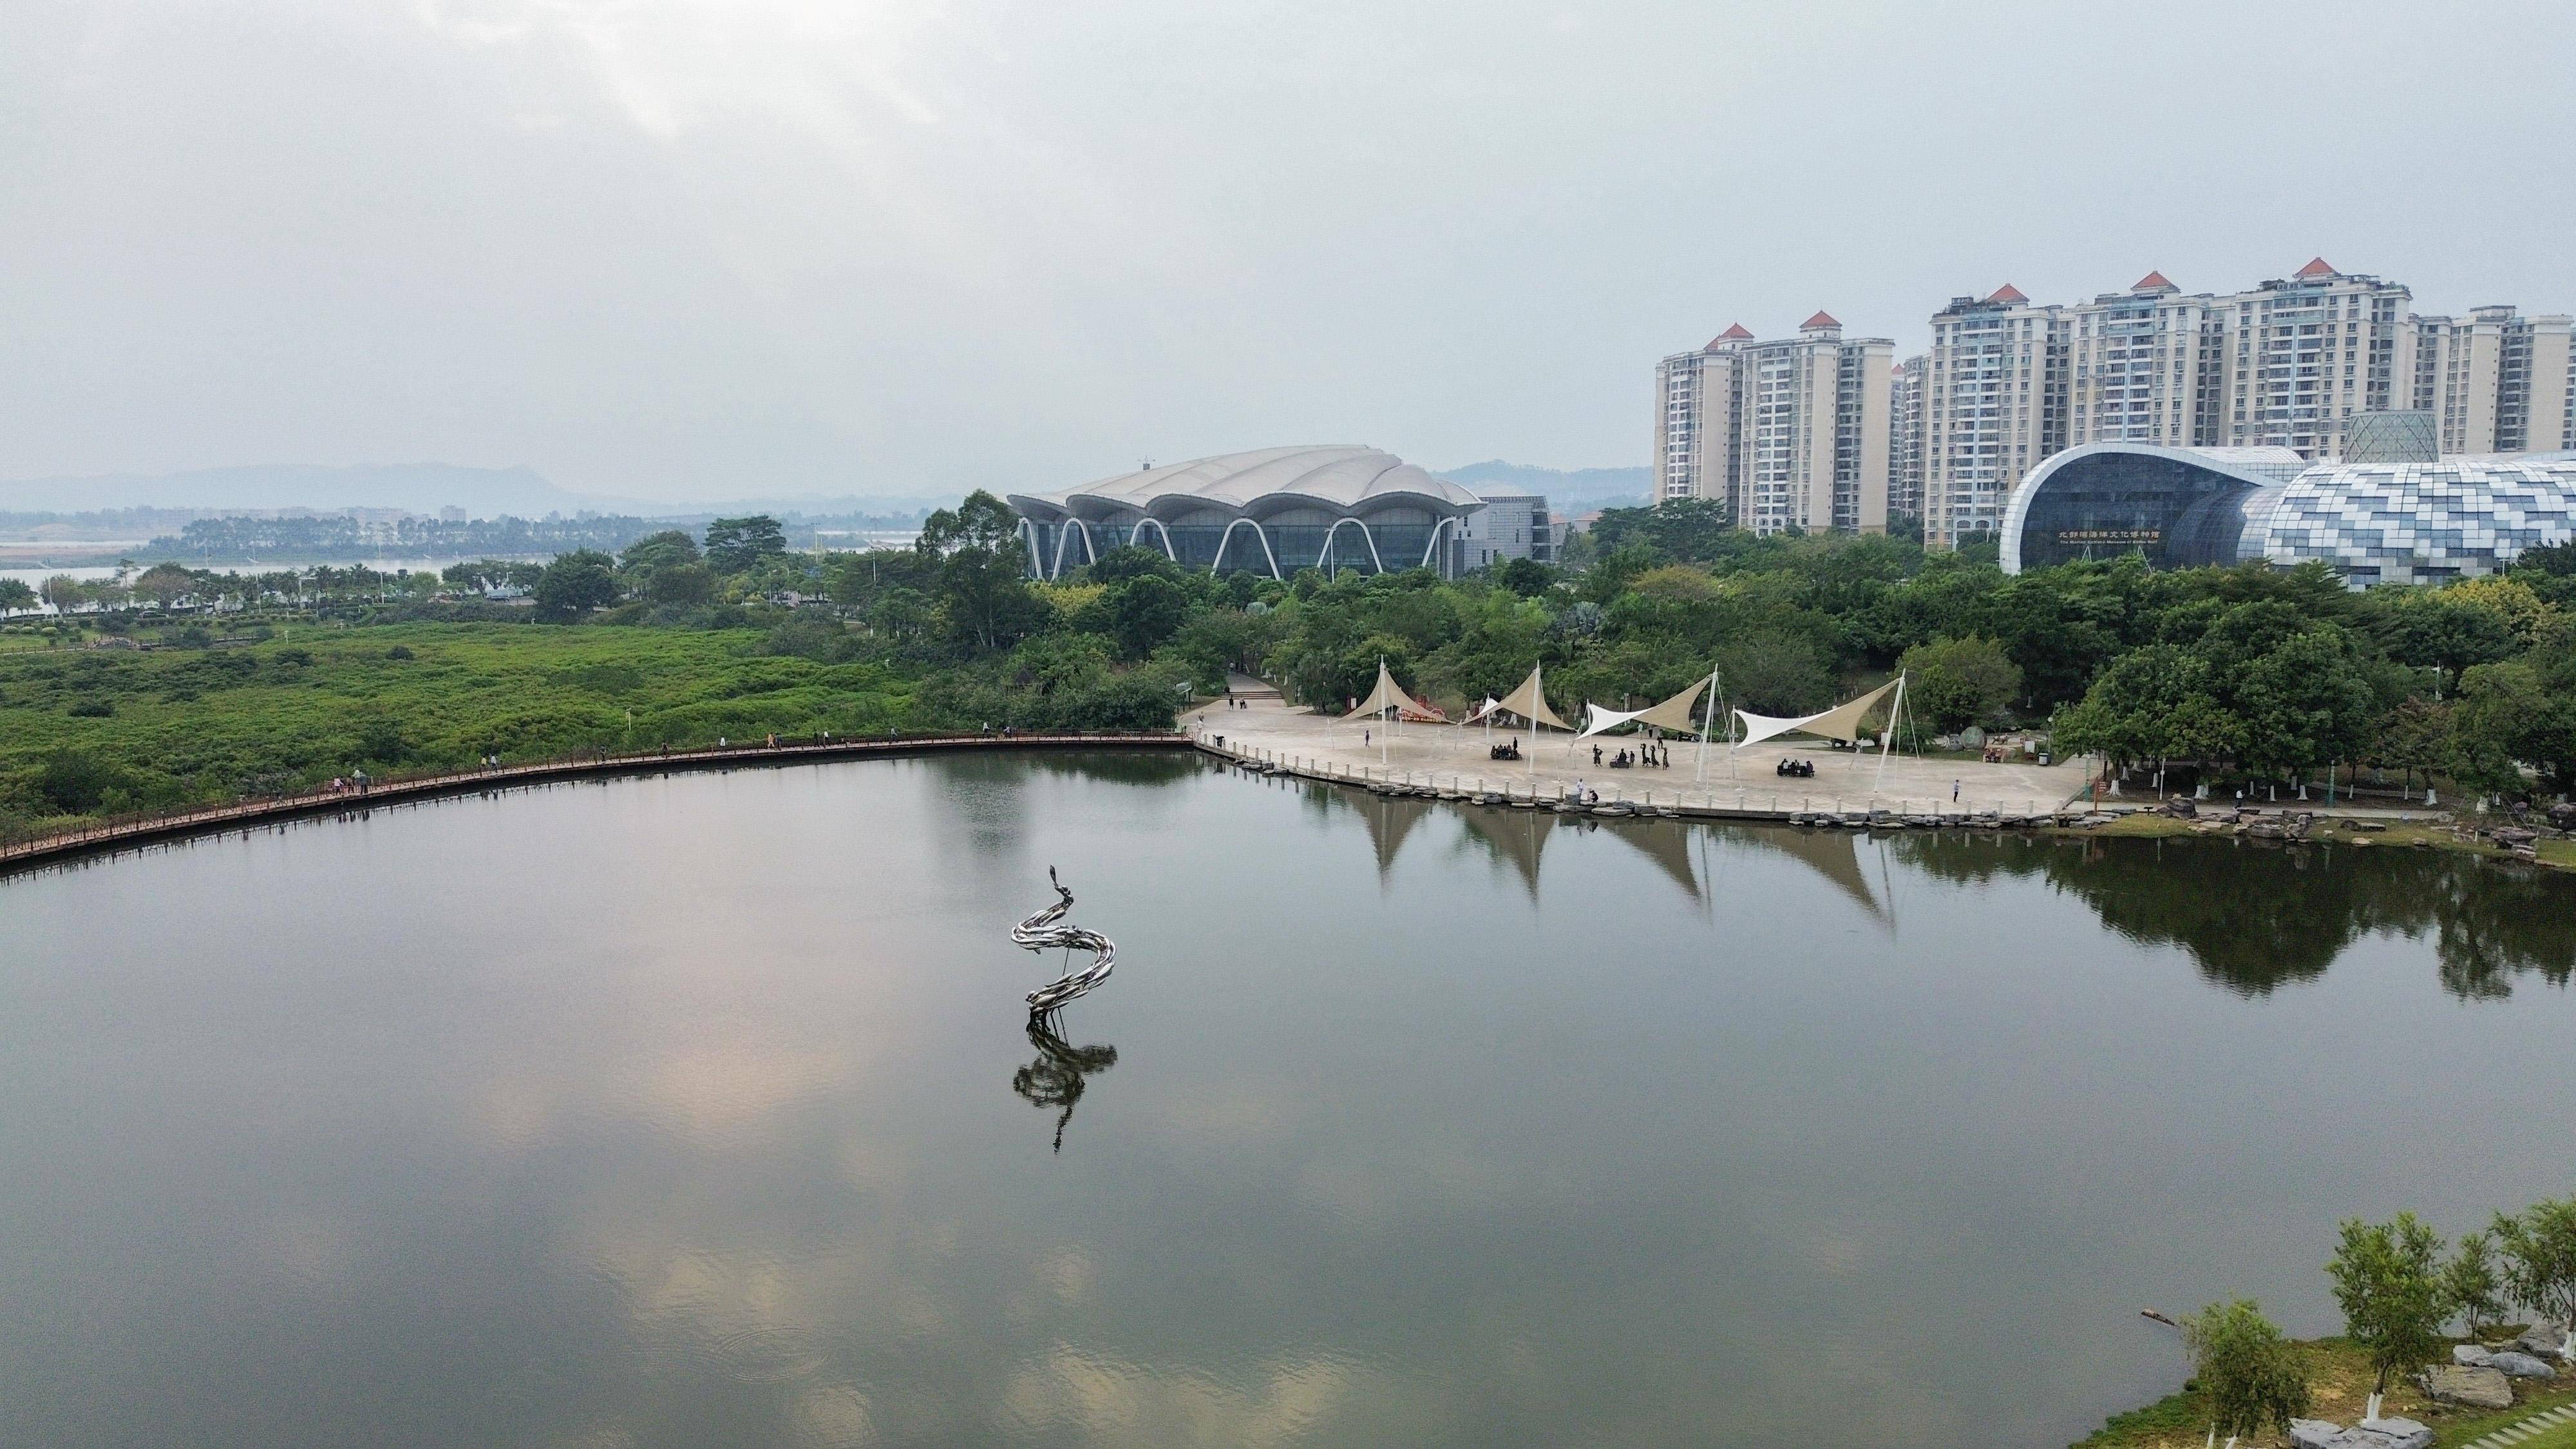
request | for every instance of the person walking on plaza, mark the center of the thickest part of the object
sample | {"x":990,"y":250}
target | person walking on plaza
{"x":1954,"y":792}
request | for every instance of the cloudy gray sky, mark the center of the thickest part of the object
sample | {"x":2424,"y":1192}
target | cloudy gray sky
{"x":691,"y":248}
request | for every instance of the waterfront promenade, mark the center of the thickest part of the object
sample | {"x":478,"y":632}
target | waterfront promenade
{"x":1451,"y":757}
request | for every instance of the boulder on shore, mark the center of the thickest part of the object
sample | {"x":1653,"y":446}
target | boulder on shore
{"x":2521,"y":1365}
{"x":2542,"y":1340}
{"x":2472,"y":1388}
{"x":2369,"y":1434}
{"x":2469,"y":1355}
{"x":2394,"y":1434}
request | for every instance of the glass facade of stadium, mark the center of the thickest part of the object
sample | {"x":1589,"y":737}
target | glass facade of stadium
{"x":2403,"y":522}
{"x":1271,"y":513}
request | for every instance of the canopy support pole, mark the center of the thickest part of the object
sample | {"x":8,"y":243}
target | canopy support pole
{"x":1895,"y":713}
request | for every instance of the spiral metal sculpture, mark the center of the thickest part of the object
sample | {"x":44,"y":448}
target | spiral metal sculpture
{"x":1041,"y":931}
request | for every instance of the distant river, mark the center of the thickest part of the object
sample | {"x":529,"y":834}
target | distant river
{"x":701,"y":1110}
{"x":93,"y":573}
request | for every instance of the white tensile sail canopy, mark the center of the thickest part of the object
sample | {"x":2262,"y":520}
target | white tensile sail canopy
{"x":1842,"y":722}
{"x":1389,"y":696}
{"x":1482,"y":712}
{"x":1530,"y":703}
{"x":1673,"y":714}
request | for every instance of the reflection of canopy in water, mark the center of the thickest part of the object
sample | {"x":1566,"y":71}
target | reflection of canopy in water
{"x":1842,"y":722}
{"x":1833,"y":854}
{"x":1517,"y":836}
{"x":1673,"y":714}
{"x":1521,"y":836}
{"x":1667,"y":844}
{"x":1390,"y":819}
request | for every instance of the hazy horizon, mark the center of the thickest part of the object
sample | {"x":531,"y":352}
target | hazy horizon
{"x":686,"y":250}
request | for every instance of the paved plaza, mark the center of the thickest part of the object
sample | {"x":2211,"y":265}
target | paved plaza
{"x":1451,"y":756}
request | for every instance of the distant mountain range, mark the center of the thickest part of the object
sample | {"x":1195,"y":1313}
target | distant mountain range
{"x":417,"y":487}
{"x":1577,"y":490}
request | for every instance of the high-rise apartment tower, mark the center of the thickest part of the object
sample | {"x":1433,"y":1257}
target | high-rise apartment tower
{"x":1791,"y":433}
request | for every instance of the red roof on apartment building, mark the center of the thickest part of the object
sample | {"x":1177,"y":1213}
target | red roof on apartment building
{"x":2009,"y":295}
{"x":2155,"y":282}
{"x":2317,"y":268}
{"x":1821,"y":319}
{"x":1735,"y":333}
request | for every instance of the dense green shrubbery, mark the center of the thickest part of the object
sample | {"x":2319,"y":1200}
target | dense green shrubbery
{"x":100,"y":732}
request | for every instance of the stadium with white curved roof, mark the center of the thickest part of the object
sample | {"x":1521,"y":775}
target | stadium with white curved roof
{"x":1271,"y":512}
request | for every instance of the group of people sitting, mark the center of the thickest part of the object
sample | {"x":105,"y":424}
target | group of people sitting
{"x":1510,"y":750}
{"x":1798,"y":769}
{"x":1648,"y":753}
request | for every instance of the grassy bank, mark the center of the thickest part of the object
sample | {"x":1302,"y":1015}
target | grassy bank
{"x":88,"y":733}
{"x":2339,"y":1377}
{"x":2399,"y":835}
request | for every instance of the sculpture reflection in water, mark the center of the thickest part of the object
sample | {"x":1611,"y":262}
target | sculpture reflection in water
{"x":1057,"y":1077}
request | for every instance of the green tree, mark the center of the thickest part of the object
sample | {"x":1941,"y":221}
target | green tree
{"x":63,"y":591}
{"x":2470,"y":1282}
{"x":1772,"y":671}
{"x":664,"y":568}
{"x":2388,"y":1281}
{"x":2416,"y":739}
{"x":2249,"y":1375}
{"x":165,"y":584}
{"x":2305,"y":703}
{"x":1960,"y":682}
{"x":1526,"y":577}
{"x":2447,"y":633}
{"x":1690,"y":529}
{"x":901,"y":614}
{"x":2539,"y":1248}
{"x":809,"y":634}
{"x":576,"y":583}
{"x":739,"y":545}
{"x":982,"y":592}
{"x":658,"y":550}
{"x":15,"y":596}
{"x":75,"y":782}
{"x":1129,"y":561}
{"x":2519,"y":712}
{"x":685,"y":585}
{"x":1145,"y":611}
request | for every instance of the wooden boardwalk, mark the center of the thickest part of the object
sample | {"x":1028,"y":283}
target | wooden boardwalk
{"x":214,"y":819}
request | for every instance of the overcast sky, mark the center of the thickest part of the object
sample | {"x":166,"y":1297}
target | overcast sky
{"x":700,"y":248}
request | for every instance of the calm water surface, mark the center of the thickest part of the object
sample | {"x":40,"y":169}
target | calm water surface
{"x":701,"y":1111}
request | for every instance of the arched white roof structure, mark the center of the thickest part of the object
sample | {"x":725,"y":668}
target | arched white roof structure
{"x":1398,"y":514}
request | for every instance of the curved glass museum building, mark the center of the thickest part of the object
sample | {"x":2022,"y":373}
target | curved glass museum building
{"x":1273,"y":512}
{"x":2424,"y":520}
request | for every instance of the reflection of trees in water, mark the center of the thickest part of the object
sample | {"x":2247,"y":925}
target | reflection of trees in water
{"x":988,"y":805}
{"x":2254,"y":917}
{"x":1057,"y":1077}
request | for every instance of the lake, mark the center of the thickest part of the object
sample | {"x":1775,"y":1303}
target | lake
{"x":703,"y":1110}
